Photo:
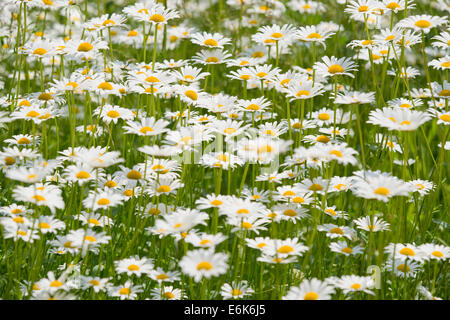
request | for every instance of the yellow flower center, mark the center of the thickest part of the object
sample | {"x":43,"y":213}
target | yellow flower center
{"x":246,"y":225}
{"x":157,"y":18}
{"x":407,"y":252}
{"x":423,"y":24}
{"x":40,"y":51}
{"x":337,"y":230}
{"x":90,"y":239}
{"x":382,"y":191}
{"x":403,"y":268}
{"x":133,"y":267}
{"x":337,"y":153}
{"x":258,"y":54}
{"x":85,"y":47}
{"x":445,"y":117}
{"x":162,"y":276}
{"x":437,"y":254}
{"x":288,"y":193}
{"x":132,"y":33}
{"x":110,"y":184}
{"x":205,"y":242}
{"x":204,"y":266}
{"x":290,"y":213}
{"x":236,"y":292}
{"x":229,"y":130}
{"x":23,"y":140}
{"x":261,"y":74}
{"x":105,"y":86}
{"x":355,"y":286}
{"x":94,"y":282}
{"x":216,"y":202}
{"x":210,"y":42}
{"x":56,"y":284}
{"x":335,"y":68}
{"x":134,"y":174}
{"x":285,"y":249}
{"x":298,"y":200}
{"x":103,"y":202}
{"x":44,"y":225}
{"x":253,"y":107}
{"x":311,"y":296}
{"x":39,"y":198}
{"x":212,"y":60}
{"x":83,"y":175}
{"x":303,"y":93}
{"x":107,"y":22}
{"x":191,"y":94}
{"x":124,"y":291}
{"x":347,"y":250}
{"x":315,"y":187}
{"x":93,"y":221}
{"x":314,"y":35}
{"x":168,"y":295}
{"x":33,"y":114}
{"x":276,"y":35}
{"x":445,"y":93}
{"x":163,"y":189}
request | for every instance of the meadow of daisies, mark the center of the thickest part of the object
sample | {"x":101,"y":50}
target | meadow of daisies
{"x":224,"y":149}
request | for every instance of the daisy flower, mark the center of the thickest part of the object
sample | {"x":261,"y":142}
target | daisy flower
{"x":313,"y":289}
{"x":236,"y":290}
{"x":431,"y":251}
{"x":333,"y":231}
{"x":210,"y":40}
{"x":352,"y":283}
{"x":204,"y":264}
{"x":422,"y":23}
{"x":372,"y":225}
{"x":134,"y":266}
{"x":344,"y":248}
{"x":333,"y":66}
{"x":127,"y":291}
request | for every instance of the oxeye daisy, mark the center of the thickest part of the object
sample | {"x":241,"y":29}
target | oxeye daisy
{"x":204,"y":264}
{"x":208,"y":57}
{"x":423,"y":187}
{"x":404,"y":269}
{"x":330,"y":67}
{"x":378,"y":185}
{"x":204,"y":240}
{"x":305,"y":90}
{"x":372,"y":224}
{"x":48,"y":224}
{"x":403,"y":252}
{"x":94,"y":219}
{"x":352,"y":283}
{"x":427,"y":294}
{"x":441,"y":91}
{"x":165,"y":186}
{"x":147,"y":127}
{"x":422,"y":23}
{"x":127,"y":291}
{"x":254,"y":105}
{"x":210,"y":40}
{"x":291,"y":212}
{"x":102,"y":200}
{"x":334,"y":231}
{"x":247,"y":223}
{"x":314,"y":34}
{"x":211,"y":201}
{"x":313,"y":289}
{"x":344,"y":248}
{"x":96,"y":283}
{"x":190,"y":74}
{"x":431,"y":251}
{"x":79,"y":174}
{"x":134,"y":266}
{"x":401,"y":119}
{"x":236,"y":290}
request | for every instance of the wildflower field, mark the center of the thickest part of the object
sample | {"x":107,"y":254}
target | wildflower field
{"x":224,"y":149}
